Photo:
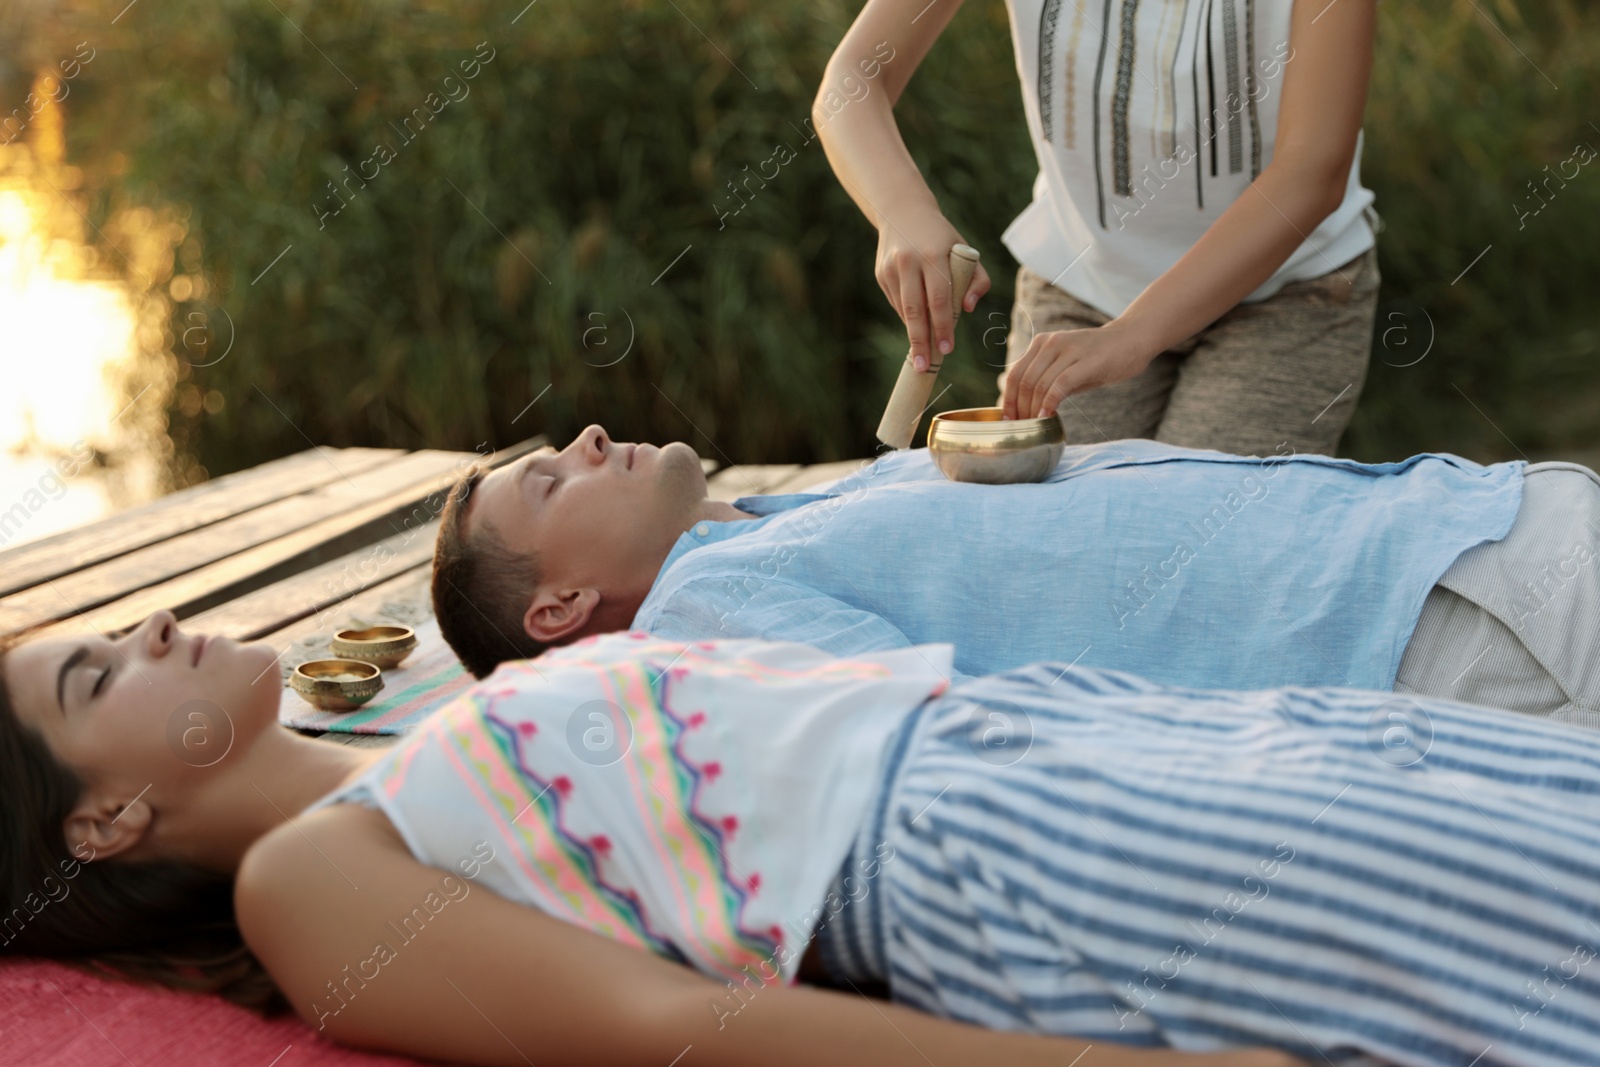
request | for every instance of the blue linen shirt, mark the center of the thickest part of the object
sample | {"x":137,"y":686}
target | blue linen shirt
{"x":1182,"y":565}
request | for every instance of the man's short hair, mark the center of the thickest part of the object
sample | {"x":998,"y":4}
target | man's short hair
{"x":481,"y":589}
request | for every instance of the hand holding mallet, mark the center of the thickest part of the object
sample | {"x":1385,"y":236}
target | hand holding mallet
{"x":913,"y":388}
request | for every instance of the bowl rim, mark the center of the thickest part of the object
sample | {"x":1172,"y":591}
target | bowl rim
{"x":376,"y":674}
{"x":954,"y":417}
{"x":405,"y":633}
{"x":995,"y":436}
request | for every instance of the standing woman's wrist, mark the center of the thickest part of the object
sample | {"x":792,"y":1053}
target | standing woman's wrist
{"x":1138,"y":334}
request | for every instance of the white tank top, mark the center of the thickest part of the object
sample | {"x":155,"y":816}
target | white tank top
{"x":1149,"y":118}
{"x":691,"y":799}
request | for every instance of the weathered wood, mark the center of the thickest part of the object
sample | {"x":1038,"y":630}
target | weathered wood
{"x":336,"y":508}
{"x":214,"y":565}
{"x":752,"y":479}
{"x":318,"y":591}
{"x":747,"y":479}
{"x":178,"y":513}
{"x":817,"y":474}
{"x":409,"y":587}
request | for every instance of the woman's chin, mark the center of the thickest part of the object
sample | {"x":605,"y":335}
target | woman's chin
{"x":259,"y":658}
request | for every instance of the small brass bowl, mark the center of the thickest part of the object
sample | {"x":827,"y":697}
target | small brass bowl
{"x":381,"y":646}
{"x":977,"y":445}
{"x":336,"y":684}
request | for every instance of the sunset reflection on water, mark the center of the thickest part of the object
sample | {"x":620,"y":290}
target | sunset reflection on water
{"x":80,"y":411}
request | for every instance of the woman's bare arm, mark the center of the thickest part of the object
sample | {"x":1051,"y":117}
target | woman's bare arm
{"x":862,"y":139}
{"x":1324,"y":90}
{"x":865,"y":149}
{"x":485,"y":981}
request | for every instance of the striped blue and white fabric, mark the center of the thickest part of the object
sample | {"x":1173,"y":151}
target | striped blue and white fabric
{"x":1357,"y":877}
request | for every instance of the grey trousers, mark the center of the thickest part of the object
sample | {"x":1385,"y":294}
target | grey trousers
{"x":1284,"y":370}
{"x":1516,"y":623}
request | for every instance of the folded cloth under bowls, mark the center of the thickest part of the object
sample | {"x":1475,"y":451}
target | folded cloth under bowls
{"x":430,"y":677}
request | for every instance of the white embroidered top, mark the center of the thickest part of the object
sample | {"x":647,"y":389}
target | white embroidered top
{"x":1149,"y":118}
{"x":691,"y":799}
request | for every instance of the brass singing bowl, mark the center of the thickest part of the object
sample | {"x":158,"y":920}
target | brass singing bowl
{"x":381,"y":646}
{"x":336,"y":684}
{"x":978,"y":445}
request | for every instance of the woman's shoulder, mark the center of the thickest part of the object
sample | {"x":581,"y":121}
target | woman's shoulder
{"x":274,"y":861}
{"x":335,"y":907}
{"x":276,"y":891}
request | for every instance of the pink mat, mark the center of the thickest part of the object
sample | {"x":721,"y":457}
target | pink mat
{"x":54,"y":1016}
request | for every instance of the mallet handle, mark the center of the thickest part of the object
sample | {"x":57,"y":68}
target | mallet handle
{"x":913,"y":388}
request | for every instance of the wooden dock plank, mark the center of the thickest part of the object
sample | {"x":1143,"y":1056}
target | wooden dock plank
{"x":747,"y":479}
{"x":410,"y":587}
{"x":321,"y":509}
{"x":208,"y":567}
{"x":177,"y":513}
{"x":817,"y":474}
{"x":319,"y":591}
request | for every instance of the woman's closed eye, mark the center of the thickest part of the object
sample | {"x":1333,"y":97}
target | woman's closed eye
{"x":101,"y":680}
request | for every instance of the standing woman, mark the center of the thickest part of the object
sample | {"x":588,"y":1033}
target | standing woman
{"x":1198,"y":261}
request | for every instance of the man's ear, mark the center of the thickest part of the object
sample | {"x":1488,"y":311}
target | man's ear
{"x":99,"y":828}
{"x":559,"y":615}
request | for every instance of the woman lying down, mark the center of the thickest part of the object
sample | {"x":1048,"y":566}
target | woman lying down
{"x":633,"y":851}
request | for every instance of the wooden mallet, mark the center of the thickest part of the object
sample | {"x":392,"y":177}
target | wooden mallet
{"x":913,"y":388}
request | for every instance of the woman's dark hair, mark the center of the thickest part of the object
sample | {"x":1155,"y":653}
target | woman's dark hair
{"x":163,"y":922}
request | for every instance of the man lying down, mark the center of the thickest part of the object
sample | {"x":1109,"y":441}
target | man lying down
{"x":1434,"y":575}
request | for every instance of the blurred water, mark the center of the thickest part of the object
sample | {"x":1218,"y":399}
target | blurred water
{"x":62,"y":337}
{"x":80,"y":412}
{"x":37,"y":503}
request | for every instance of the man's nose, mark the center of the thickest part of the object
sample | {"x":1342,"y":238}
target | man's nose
{"x":593,"y":443}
